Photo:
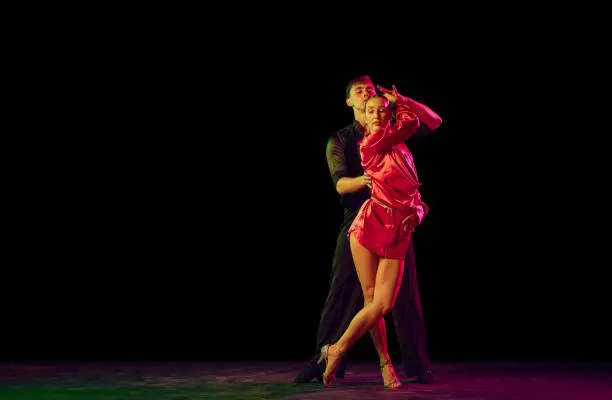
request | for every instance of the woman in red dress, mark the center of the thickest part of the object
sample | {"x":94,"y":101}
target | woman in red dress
{"x":380,"y":234}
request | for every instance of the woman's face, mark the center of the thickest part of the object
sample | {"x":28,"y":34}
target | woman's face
{"x":377,"y":114}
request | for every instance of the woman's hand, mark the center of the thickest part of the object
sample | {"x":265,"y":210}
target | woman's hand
{"x":410,"y":222}
{"x":392,"y":95}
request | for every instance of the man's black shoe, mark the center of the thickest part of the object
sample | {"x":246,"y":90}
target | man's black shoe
{"x":315,"y":371}
{"x":426,"y":377}
{"x":312,"y":371}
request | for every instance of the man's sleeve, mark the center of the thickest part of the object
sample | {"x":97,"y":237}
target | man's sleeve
{"x":335,"y":159}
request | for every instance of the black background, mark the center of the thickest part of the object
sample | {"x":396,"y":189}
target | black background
{"x":182,"y":208}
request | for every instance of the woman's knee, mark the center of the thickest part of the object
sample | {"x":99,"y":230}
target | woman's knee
{"x":383,"y":306}
{"x":368,"y":295}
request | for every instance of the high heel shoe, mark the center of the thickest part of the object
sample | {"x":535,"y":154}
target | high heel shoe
{"x":395,"y":382}
{"x":329,"y":377}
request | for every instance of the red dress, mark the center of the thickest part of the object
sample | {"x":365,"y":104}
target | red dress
{"x":387,"y":160}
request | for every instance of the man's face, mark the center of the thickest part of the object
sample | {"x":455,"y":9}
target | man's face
{"x":359,"y":93}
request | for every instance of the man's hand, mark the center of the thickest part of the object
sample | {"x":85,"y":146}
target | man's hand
{"x":364,"y":180}
{"x":351,"y":185}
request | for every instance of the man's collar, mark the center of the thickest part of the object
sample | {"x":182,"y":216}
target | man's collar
{"x":358,"y":129}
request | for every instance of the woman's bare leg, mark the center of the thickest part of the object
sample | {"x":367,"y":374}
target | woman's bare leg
{"x":366,"y":264}
{"x":388,"y":274}
{"x":367,"y":279}
{"x":379,"y":337}
{"x":390,"y":378}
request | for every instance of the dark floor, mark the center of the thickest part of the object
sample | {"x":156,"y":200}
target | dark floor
{"x":273,"y":380}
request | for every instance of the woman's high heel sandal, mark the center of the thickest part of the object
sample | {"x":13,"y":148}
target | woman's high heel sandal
{"x":395,"y":382}
{"x":328,"y":377}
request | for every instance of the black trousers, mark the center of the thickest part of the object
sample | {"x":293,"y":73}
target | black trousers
{"x":345,"y":299}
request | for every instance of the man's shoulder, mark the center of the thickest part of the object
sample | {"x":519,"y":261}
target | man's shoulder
{"x":344,"y":133}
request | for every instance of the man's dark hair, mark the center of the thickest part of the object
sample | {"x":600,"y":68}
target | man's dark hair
{"x":354,"y":81}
